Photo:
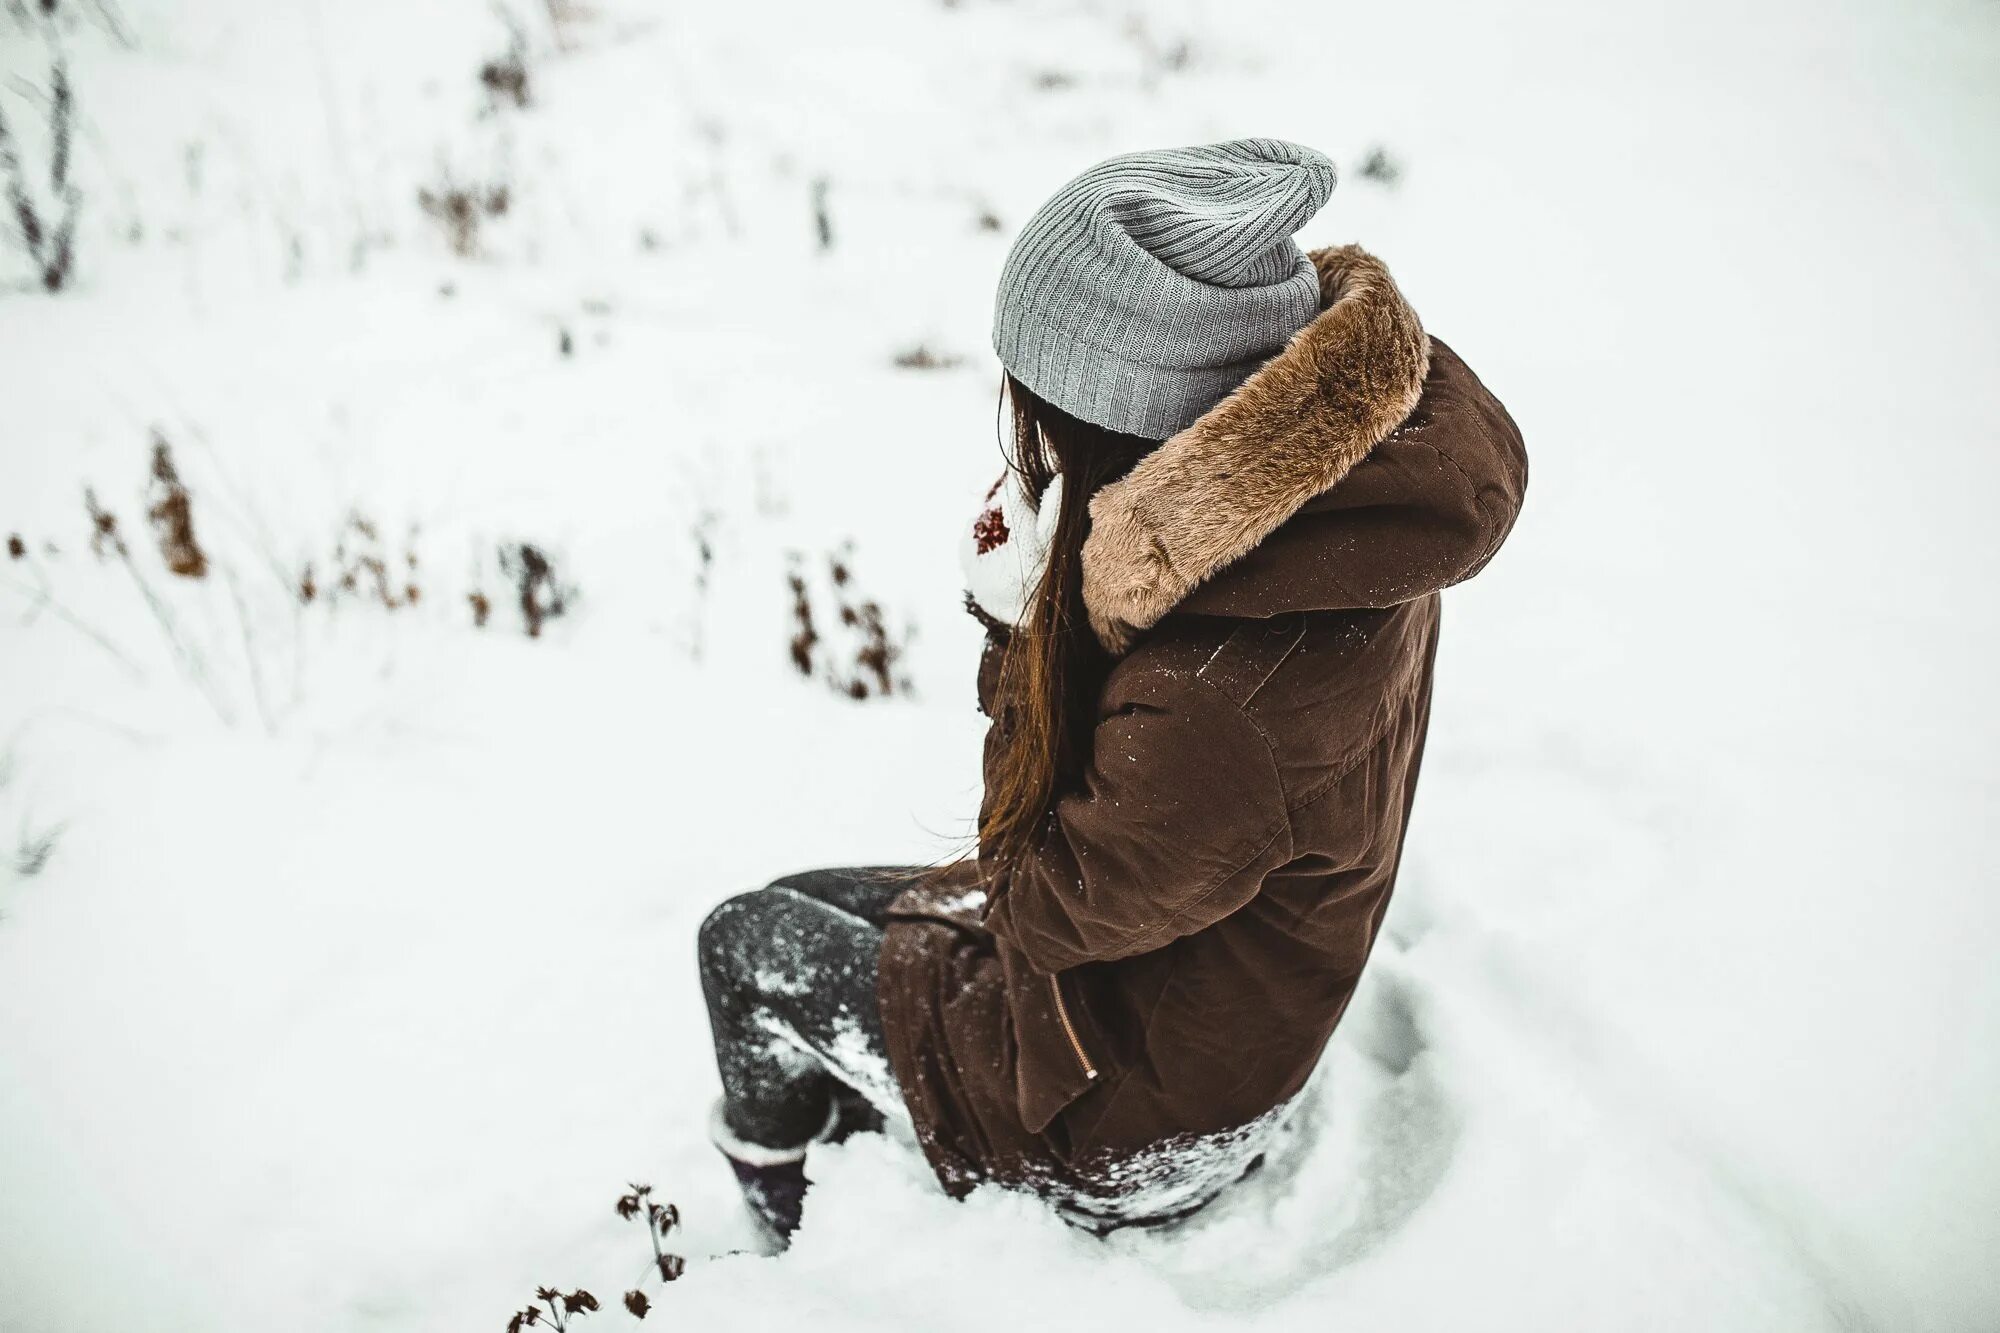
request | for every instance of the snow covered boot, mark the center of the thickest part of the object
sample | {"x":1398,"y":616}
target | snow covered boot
{"x":773,"y":1180}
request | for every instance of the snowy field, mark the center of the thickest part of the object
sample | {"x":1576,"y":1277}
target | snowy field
{"x":346,"y":968}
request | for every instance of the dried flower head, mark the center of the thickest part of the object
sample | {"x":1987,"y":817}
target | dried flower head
{"x":105,"y":538}
{"x":172,"y":515}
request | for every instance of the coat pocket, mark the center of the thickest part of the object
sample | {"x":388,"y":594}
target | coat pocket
{"x":1054,"y":1063}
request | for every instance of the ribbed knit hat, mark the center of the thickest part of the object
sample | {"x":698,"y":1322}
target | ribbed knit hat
{"x":1154,"y":283}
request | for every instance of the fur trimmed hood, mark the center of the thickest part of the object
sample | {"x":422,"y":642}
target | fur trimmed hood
{"x":1363,"y":466}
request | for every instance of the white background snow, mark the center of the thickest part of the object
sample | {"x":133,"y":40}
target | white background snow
{"x":355,"y":986}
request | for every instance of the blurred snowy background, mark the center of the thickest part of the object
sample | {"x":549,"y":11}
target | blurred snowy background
{"x":345,"y":928}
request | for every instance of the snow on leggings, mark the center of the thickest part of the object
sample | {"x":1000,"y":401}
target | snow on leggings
{"x":789,"y":972}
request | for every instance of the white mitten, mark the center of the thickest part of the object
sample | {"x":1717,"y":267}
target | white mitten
{"x":1005,"y":551}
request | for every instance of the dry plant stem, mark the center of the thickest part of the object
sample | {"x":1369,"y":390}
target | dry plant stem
{"x":822,"y":215}
{"x":27,"y":222}
{"x":49,"y":242}
{"x":114,"y":24}
{"x":35,"y":850}
{"x":659,"y":1255}
{"x":192,"y":663}
{"x":250,"y":657}
{"x":253,"y":528}
{"x":805,"y":637}
{"x":506,"y":77}
{"x":246,"y":518}
{"x":704,"y":539}
{"x":249,"y":522}
{"x":336,"y":131}
{"x":43,"y":599}
{"x":62,"y":256}
{"x":660,"y":1220}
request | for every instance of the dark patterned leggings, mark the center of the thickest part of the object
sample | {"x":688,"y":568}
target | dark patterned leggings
{"x":789,"y":972}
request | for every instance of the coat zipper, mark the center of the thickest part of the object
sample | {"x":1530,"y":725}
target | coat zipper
{"x":1069,"y":1028}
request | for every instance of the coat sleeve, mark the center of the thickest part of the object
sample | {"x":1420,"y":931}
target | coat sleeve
{"x":1179,"y":818}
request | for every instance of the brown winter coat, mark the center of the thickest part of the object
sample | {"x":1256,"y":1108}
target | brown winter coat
{"x":1171,"y":960}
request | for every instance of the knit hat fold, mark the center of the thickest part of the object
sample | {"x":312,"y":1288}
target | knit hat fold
{"x":1154,"y":283}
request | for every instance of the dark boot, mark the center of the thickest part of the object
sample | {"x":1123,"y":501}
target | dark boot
{"x":773,"y":1180}
{"x":856,"y":1115}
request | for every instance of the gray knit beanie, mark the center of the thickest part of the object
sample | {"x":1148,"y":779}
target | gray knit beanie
{"x":1154,"y":283}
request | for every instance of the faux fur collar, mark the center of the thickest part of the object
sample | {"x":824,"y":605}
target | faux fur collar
{"x":1210,"y":494}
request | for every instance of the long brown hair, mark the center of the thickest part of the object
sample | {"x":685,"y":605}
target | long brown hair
{"x":1053,"y":665}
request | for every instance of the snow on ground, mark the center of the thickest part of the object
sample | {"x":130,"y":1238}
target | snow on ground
{"x":345,"y":953}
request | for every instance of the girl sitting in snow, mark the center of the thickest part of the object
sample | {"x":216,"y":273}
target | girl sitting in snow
{"x":1239,"y":476}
